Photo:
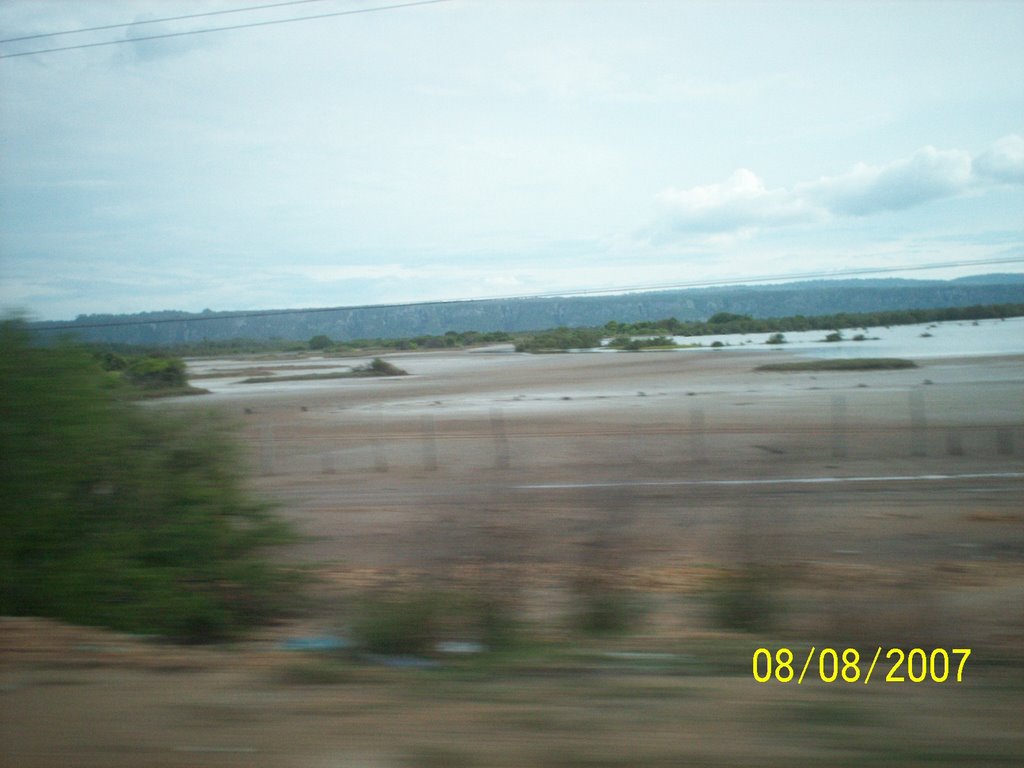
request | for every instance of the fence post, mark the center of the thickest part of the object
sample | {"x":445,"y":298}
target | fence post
{"x":954,"y":442}
{"x":501,"y":451}
{"x":918,"y":424}
{"x":429,"y":443}
{"x":839,"y":444}
{"x":697,"y":441}
{"x":380,"y":460}
{"x":267,"y":449}
{"x":1004,"y":441}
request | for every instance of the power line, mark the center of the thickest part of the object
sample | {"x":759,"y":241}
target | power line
{"x":72,"y":325}
{"x":224,"y":29}
{"x":157,"y":21}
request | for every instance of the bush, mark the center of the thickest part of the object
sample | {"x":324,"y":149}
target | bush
{"x":561,"y":339}
{"x":398,"y":623}
{"x":604,"y":612}
{"x":123,"y":517}
{"x":414,"y":622}
{"x":320,"y":341}
{"x":152,"y":372}
{"x":744,"y":600}
{"x":382,"y":367}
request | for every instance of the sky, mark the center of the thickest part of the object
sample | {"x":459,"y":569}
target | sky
{"x":482,"y":148}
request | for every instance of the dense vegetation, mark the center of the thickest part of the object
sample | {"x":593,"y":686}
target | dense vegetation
{"x":842,"y":364}
{"x":638,"y":343}
{"x":561,"y":339}
{"x":318,"y":343}
{"x":115,"y":515}
{"x":150,"y":375}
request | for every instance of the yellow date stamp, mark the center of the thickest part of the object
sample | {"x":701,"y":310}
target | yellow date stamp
{"x":916,"y":665}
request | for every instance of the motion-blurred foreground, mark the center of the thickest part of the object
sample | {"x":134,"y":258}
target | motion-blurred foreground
{"x":561,"y":560}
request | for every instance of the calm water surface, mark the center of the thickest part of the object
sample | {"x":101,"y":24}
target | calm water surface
{"x":948,"y":339}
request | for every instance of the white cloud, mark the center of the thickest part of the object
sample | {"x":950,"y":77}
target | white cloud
{"x":739,"y":202}
{"x":1003,"y":161}
{"x":928,"y":174}
{"x":743,"y":202}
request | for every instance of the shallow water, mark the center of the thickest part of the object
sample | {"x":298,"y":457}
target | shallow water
{"x":948,"y":339}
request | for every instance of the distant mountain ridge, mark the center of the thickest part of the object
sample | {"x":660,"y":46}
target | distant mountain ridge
{"x":817,"y":297}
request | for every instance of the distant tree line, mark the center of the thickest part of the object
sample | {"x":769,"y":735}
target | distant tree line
{"x":564,"y":338}
{"x":726,"y":322}
{"x":318,"y":343}
{"x":448,"y":340}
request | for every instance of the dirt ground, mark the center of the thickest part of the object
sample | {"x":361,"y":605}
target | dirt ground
{"x":883,"y":510}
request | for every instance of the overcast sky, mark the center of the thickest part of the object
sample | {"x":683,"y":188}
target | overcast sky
{"x":478,"y":148}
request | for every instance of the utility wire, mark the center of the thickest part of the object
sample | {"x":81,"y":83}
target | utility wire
{"x":228,"y":315}
{"x":156,"y":21}
{"x":223,"y":29}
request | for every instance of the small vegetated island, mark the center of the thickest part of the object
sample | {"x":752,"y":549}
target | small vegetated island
{"x":377,"y":368}
{"x":841,"y":364}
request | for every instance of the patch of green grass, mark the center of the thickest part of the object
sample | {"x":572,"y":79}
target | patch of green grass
{"x":829,"y":713}
{"x":844,"y":364}
{"x":903,"y":756}
{"x":745,"y":600}
{"x":148,"y":394}
{"x":437,"y":757}
{"x":589,"y":760}
{"x":318,"y":672}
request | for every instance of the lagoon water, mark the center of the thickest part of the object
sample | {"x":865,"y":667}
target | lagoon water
{"x":947,"y":339}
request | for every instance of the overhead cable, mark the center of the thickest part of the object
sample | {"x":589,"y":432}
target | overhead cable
{"x":223,"y":29}
{"x":156,"y":21}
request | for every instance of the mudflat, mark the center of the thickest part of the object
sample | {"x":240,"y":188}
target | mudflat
{"x":881,"y":509}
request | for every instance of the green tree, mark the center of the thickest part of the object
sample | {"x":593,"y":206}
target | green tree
{"x":115,"y":515}
{"x":156,"y":372}
{"x":320,"y":341}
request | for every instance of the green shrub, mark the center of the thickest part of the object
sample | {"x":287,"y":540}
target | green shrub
{"x":119,"y":516}
{"x":600,"y":605}
{"x":152,"y":372}
{"x":402,"y":623}
{"x":382,"y":367}
{"x":745,"y":600}
{"x":604,"y":612}
{"x":561,"y":339}
{"x":414,"y":622}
